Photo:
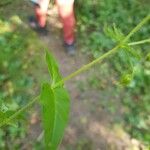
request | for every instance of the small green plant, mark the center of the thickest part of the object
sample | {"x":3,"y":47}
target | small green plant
{"x":54,"y":98}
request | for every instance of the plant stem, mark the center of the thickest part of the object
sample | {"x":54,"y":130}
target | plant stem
{"x":86,"y":67}
{"x":82,"y":69}
{"x":139,"y":42}
{"x":137,"y":28}
{"x":6,"y":121}
{"x":100,"y":59}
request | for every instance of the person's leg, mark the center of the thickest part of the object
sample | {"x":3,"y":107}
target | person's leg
{"x":66,"y":12}
{"x":41,"y":11}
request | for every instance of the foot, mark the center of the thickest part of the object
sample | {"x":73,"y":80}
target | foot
{"x":70,"y":48}
{"x":35,"y":26}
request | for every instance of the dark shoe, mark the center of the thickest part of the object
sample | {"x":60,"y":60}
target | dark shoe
{"x":42,"y":31}
{"x":35,"y":26}
{"x":70,"y":48}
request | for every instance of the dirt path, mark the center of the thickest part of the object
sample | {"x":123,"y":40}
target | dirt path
{"x":90,"y":126}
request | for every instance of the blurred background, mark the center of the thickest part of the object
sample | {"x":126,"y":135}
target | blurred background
{"x":110,"y":103}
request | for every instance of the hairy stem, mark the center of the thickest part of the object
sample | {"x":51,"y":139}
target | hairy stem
{"x":139,"y":42}
{"x":100,"y":59}
{"x":82,"y":69}
{"x":6,"y":121}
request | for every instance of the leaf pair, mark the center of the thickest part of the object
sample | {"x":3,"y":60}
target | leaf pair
{"x":56,"y":106}
{"x":128,"y":56}
{"x":114,"y":33}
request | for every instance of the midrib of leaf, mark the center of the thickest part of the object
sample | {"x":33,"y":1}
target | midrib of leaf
{"x":57,"y":115}
{"x":54,"y":115}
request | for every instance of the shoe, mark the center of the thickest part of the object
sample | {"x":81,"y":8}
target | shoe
{"x":70,"y":48}
{"x":42,"y":31}
{"x":35,"y":26}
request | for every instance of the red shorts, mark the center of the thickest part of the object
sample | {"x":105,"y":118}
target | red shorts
{"x":66,"y":13}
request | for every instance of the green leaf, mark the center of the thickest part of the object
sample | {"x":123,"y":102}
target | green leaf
{"x":56,"y":106}
{"x":53,"y":68}
{"x":126,"y":79}
{"x":132,"y":52}
{"x":114,"y":33}
{"x":55,"y":114}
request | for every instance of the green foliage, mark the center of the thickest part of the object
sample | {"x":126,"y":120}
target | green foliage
{"x":15,"y":79}
{"x":53,"y":69}
{"x":136,"y":77}
{"x":11,"y":50}
{"x":54,"y":97}
{"x":131,"y":63}
{"x":55,"y":102}
{"x":94,"y":16}
{"x":4,"y":2}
